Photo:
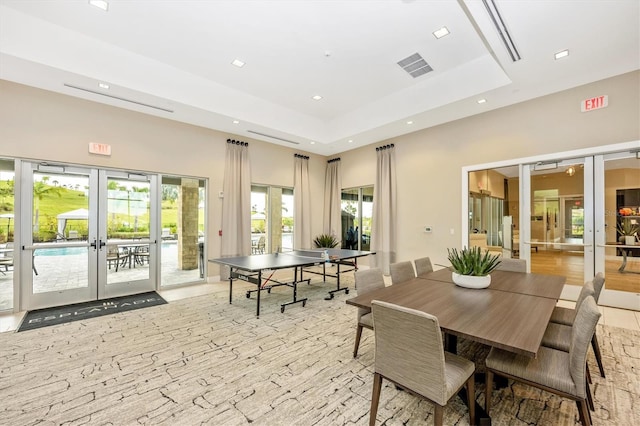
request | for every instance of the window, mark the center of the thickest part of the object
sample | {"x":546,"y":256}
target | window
{"x":271,"y":219}
{"x":182,"y":220}
{"x":7,"y":230}
{"x":357,"y":213}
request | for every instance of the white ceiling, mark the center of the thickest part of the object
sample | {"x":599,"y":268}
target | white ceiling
{"x":176,"y":55}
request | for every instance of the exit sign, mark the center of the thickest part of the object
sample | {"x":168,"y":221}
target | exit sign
{"x":99,"y":148}
{"x":594,"y":103}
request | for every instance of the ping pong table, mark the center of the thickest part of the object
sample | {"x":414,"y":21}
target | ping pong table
{"x":257,"y":269}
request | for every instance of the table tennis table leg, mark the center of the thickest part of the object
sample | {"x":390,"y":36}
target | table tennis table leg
{"x":258,"y":298}
{"x":345,"y":289}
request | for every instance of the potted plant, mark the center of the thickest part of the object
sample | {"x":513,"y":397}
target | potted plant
{"x":471,"y":267}
{"x":628,"y":231}
{"x":325,"y":241}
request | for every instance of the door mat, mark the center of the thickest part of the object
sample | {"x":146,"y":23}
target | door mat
{"x":97,"y":308}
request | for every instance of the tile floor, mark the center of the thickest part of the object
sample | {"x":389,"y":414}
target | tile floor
{"x":610,"y":316}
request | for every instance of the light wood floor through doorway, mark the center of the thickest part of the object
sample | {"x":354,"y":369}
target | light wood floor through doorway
{"x":571,"y":264}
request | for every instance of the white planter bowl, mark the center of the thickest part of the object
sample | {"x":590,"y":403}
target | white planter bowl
{"x":469,"y":281}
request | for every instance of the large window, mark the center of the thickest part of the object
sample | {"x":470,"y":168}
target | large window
{"x":182,"y":229}
{"x":271,"y":219}
{"x":357,"y":213}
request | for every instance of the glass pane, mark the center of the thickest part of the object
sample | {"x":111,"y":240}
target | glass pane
{"x":367,"y":218}
{"x":182,"y":246}
{"x":622,"y":221}
{"x":60,"y":213}
{"x":287,"y":219}
{"x":259,"y":218}
{"x":128,"y":213}
{"x":350,"y":218}
{"x":7,"y":230}
{"x":557,"y":222}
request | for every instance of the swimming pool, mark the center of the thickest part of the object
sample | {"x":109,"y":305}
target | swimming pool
{"x":74,"y":251}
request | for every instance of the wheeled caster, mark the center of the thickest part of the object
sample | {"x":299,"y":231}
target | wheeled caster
{"x":282,"y":309}
{"x":346,"y":291}
{"x":248,"y":295}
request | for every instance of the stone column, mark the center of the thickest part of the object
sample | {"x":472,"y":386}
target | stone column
{"x":188,"y":224}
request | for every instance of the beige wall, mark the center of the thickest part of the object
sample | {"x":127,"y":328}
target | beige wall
{"x":43,"y":125}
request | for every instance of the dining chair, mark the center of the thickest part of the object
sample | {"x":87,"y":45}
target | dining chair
{"x":558,"y":372}
{"x":409,"y":353}
{"x":423,"y":266}
{"x":512,"y":265}
{"x":401,"y":272}
{"x":566,"y":316}
{"x":366,"y":280}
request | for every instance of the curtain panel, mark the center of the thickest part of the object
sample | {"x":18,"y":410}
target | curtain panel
{"x":301,"y":203}
{"x":383,"y":237}
{"x":332,"y":199}
{"x":236,"y":203}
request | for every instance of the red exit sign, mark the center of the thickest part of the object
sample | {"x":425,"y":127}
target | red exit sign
{"x":594,"y":103}
{"x":99,"y":148}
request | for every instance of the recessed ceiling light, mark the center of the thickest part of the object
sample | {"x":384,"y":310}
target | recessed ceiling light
{"x":100,"y":4}
{"x":238,"y":63}
{"x":236,"y":122}
{"x":562,"y":54}
{"x":441,"y":32}
{"x":409,"y":122}
{"x":350,"y":141}
{"x":482,"y":101}
{"x":317,"y":97}
{"x":312,"y":143}
{"x":103,"y":85}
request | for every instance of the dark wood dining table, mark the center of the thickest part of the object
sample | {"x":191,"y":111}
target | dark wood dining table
{"x":511,"y":314}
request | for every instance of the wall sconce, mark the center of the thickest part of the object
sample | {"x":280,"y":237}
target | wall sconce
{"x":571,"y":171}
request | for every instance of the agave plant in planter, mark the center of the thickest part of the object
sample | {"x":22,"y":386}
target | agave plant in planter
{"x":325,"y":241}
{"x":471,"y":267}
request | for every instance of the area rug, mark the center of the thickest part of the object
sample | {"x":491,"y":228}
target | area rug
{"x":68,"y":313}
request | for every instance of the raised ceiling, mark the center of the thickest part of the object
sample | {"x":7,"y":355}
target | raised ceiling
{"x":173,"y":59}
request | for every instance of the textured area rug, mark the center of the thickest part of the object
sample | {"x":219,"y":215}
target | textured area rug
{"x":204,"y":361}
{"x":63,"y":314}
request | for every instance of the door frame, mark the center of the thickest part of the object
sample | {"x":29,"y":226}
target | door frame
{"x":97,"y":288}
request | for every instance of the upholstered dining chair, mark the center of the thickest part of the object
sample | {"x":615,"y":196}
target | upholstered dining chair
{"x":512,"y":265}
{"x":423,"y":266}
{"x":401,"y":272}
{"x":366,"y":280}
{"x":410,"y":353}
{"x":558,"y":372}
{"x":566,"y":316}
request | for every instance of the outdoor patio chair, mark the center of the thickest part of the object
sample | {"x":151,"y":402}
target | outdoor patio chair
{"x":116,"y":257}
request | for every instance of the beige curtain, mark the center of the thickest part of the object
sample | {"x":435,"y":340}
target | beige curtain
{"x":383,"y":236}
{"x":236,"y":203}
{"x":301,"y":203}
{"x":332,"y":202}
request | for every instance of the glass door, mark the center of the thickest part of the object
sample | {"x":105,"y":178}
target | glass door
{"x":558,"y":229}
{"x":127,"y":233}
{"x":66,"y":238}
{"x":617,"y":189}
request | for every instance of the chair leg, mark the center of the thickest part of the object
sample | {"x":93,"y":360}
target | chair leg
{"x":488,"y":390}
{"x":588,"y":373}
{"x":375,"y":398}
{"x":358,"y":335}
{"x":438,"y":414}
{"x":471,"y":399}
{"x":589,"y":398}
{"x":583,"y":412}
{"x":596,"y":351}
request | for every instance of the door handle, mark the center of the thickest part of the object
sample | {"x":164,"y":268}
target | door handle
{"x":93,"y":244}
{"x":102,"y":244}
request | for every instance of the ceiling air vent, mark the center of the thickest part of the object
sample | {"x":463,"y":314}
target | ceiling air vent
{"x":415,"y":65}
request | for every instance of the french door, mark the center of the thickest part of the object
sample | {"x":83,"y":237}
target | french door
{"x":87,"y":234}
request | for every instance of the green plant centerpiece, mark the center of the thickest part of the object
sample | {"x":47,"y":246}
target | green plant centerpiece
{"x":471,"y":267}
{"x":325,"y":241}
